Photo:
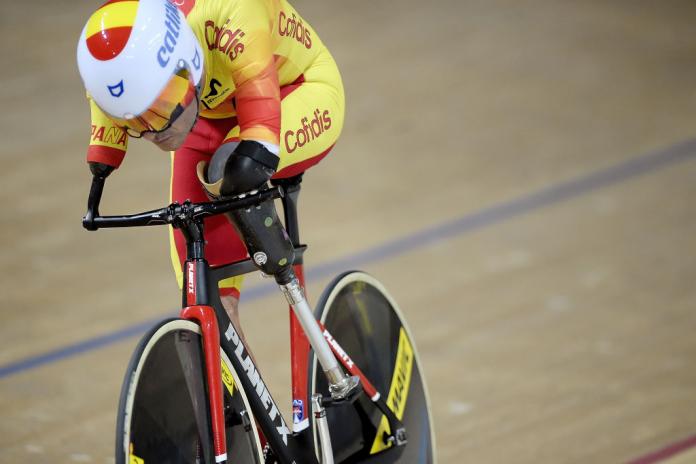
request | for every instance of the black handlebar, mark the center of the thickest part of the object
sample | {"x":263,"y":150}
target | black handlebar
{"x":175,"y":214}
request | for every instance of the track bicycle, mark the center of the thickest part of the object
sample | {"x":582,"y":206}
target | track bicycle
{"x":192,"y":392}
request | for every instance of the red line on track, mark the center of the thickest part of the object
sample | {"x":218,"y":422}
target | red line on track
{"x":666,"y":452}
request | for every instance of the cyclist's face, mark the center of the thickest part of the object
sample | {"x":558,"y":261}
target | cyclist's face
{"x":174,"y":136}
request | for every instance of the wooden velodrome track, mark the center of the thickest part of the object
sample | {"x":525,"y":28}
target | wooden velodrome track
{"x":521,"y":175}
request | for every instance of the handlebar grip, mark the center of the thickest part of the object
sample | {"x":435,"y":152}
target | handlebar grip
{"x":95,"y":194}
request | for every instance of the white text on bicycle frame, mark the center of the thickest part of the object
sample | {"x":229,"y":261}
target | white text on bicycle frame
{"x":338,"y":349}
{"x":255,"y":379}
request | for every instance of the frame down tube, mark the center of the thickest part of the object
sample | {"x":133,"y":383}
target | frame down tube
{"x":289,"y":448}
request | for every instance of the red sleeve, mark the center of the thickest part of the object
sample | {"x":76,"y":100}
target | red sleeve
{"x":258,"y":107}
{"x":257,"y":93}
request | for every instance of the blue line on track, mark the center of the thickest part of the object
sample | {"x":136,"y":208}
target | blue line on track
{"x":465,"y":224}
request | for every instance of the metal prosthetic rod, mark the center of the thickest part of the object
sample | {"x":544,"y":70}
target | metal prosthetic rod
{"x":271,"y":250}
{"x":340,"y":385}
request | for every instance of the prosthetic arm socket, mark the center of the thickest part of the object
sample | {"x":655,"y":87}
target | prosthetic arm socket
{"x":237,"y":167}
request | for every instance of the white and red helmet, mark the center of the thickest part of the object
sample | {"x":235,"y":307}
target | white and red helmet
{"x":132,"y":56}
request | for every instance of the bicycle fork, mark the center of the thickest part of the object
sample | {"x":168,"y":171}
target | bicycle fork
{"x":206,"y":319}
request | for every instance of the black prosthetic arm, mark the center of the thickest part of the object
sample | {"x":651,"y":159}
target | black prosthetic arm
{"x":235,"y":169}
{"x":266,"y":240}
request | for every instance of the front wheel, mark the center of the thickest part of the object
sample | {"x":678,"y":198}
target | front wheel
{"x":365,"y":320}
{"x":163,"y":414}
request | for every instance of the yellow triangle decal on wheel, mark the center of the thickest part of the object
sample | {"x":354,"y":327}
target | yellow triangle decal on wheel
{"x":398,"y":390}
{"x":132,"y":458}
{"x":379,"y":444}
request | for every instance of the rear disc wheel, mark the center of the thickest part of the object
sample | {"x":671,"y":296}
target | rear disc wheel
{"x":367,"y":323}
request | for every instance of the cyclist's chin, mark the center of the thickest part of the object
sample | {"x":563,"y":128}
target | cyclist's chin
{"x":171,"y":145}
{"x":168,"y":142}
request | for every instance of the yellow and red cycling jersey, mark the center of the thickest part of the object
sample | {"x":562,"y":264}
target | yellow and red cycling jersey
{"x":251,"y":49}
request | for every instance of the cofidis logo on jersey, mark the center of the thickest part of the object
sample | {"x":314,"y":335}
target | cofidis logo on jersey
{"x":293,"y":27}
{"x":308,"y":131}
{"x":224,"y":39}
{"x":172,"y":23}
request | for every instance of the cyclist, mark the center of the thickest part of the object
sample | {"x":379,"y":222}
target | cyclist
{"x":244,"y":87}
